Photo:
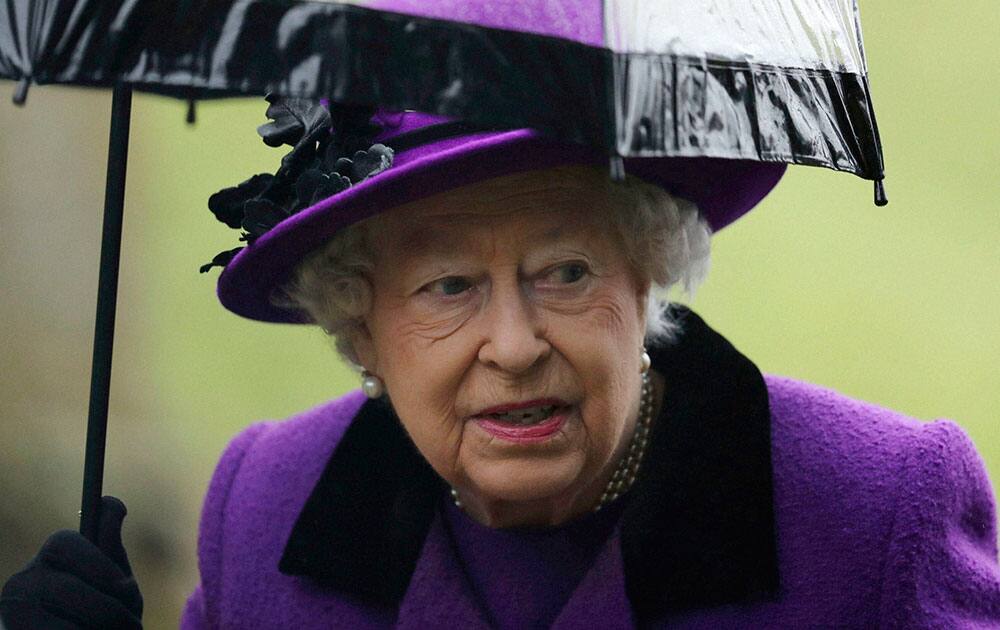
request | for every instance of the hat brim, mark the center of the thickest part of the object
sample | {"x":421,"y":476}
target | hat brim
{"x":722,"y":189}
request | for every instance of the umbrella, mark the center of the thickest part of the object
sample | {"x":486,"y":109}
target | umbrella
{"x":781,"y":81}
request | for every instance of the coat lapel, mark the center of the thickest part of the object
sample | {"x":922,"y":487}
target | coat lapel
{"x":362,"y":529}
{"x":440,"y":594}
{"x":601,"y":594}
{"x":697,"y":531}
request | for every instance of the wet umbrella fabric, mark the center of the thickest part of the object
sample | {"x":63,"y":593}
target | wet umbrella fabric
{"x":771,"y":81}
{"x":774,"y":80}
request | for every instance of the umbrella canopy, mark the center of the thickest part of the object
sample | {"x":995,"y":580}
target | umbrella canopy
{"x":773,"y":80}
{"x":778,"y":81}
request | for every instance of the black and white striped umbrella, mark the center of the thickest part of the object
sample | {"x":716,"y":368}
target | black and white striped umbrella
{"x":769,"y":80}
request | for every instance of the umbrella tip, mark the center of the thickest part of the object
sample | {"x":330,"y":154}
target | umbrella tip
{"x":191,"y":114}
{"x":21,"y":92}
{"x":880,"y":198}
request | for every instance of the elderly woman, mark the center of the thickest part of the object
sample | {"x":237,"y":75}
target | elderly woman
{"x":539,"y":441}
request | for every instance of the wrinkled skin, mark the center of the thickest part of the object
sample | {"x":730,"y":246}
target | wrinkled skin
{"x":509,"y":290}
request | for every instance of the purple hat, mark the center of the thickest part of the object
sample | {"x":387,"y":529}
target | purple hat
{"x":431,"y":154}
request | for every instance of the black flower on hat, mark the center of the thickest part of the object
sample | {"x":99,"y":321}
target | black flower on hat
{"x":315,"y":185}
{"x":331,"y":151}
{"x":227,"y":204}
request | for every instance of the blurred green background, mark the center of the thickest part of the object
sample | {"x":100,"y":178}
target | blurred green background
{"x":895,"y":305}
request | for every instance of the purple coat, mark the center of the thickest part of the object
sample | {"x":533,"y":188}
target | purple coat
{"x":763,"y":502}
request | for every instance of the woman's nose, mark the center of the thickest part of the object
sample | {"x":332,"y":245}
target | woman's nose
{"x":514,"y":338}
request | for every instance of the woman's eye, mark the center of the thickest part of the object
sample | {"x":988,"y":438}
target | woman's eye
{"x":568,"y":274}
{"x":453,"y":285}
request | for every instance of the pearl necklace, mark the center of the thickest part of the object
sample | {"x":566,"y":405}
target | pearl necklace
{"x":628,"y":467}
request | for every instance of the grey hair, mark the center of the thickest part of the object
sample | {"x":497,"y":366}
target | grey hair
{"x":665,"y":238}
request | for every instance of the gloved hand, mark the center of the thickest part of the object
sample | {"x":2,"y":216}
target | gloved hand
{"x":73,"y":583}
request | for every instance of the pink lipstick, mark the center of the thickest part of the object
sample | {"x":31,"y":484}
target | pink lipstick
{"x":525,"y":422}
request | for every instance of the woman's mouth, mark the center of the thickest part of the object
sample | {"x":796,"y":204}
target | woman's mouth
{"x":523,"y":424}
{"x":531,"y":415}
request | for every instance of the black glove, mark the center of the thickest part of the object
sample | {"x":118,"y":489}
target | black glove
{"x":73,"y":583}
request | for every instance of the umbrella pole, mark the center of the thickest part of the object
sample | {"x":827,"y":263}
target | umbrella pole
{"x":104,"y":324}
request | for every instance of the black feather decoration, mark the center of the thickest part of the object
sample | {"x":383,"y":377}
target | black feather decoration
{"x":221,"y":259}
{"x":227,"y":204}
{"x":317,"y":167}
{"x":291,"y":120}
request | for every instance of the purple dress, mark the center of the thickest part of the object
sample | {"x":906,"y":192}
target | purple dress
{"x":763,"y":502}
{"x":522,"y":578}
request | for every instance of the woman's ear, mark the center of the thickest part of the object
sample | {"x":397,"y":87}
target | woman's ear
{"x":364,"y":348}
{"x":643,"y":291}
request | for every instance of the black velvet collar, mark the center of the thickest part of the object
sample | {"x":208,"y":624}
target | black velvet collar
{"x":697,"y":531}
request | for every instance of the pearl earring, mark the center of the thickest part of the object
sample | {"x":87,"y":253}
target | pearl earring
{"x":645,"y":362}
{"x":371,"y":385}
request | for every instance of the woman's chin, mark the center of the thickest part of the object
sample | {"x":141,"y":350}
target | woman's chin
{"x":519,"y":481}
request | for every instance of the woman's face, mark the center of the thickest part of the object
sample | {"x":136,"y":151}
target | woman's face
{"x":507,"y":325}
